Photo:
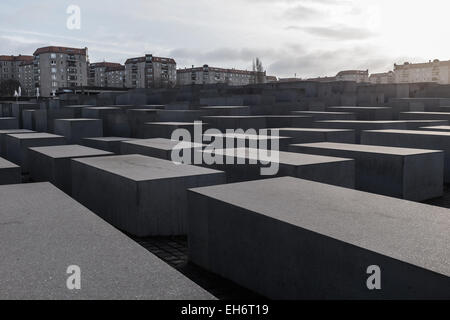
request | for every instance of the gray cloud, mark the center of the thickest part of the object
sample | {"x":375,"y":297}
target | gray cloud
{"x":336,"y":32}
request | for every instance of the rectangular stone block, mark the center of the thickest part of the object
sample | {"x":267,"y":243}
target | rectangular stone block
{"x":322,"y":115}
{"x":227,"y":110}
{"x":432,"y":140}
{"x":165,"y":129}
{"x":9,"y":123}
{"x":137,"y":118}
{"x":110,"y":144}
{"x":17,"y":146}
{"x":9,"y":173}
{"x":3,"y":134}
{"x":47,"y":231}
{"x":411,"y":174}
{"x":291,"y":121}
{"x":76,"y":129}
{"x":366,"y":113}
{"x":249,"y":140}
{"x":288,"y":238}
{"x":17,"y":111}
{"x":425,"y":116}
{"x":436,"y":128}
{"x":159,"y":148}
{"x":53,"y":163}
{"x":76,"y":111}
{"x":245,"y":164}
{"x":309,"y":135}
{"x":45,"y":119}
{"x":236,"y":122}
{"x":103,"y":113}
{"x":141,"y":195}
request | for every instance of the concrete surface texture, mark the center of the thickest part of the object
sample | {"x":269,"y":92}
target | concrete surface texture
{"x":76,"y":129}
{"x":47,"y":232}
{"x":308,"y":135}
{"x":141,"y":195}
{"x":342,"y":232}
{"x":9,"y":173}
{"x":111,"y":144}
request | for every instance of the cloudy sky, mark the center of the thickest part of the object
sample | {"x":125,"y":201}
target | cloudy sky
{"x":303,"y":37}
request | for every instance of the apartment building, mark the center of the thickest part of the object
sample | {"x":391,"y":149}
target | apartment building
{"x":359,"y":76}
{"x":213,"y":75}
{"x":115,"y":77}
{"x":382,"y":78}
{"x":98,"y":73}
{"x":60,"y":67}
{"x":433,"y":71}
{"x":150,"y":72}
{"x":26,"y":78}
{"x":9,"y":66}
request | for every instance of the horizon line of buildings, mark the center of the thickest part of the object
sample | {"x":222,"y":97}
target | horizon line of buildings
{"x":54,"y":68}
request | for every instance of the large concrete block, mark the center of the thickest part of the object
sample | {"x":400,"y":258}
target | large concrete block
{"x":17,"y":146}
{"x":432,"y":140}
{"x":53,"y":163}
{"x":360,"y":125}
{"x":17,"y":111}
{"x":227,"y":110}
{"x":45,"y":119}
{"x":436,"y":128}
{"x":76,"y":111}
{"x":236,"y":122}
{"x":141,"y":195}
{"x":367,"y":113}
{"x":291,"y":121}
{"x":288,"y":238}
{"x":417,"y":124}
{"x":76,"y":129}
{"x":321,"y":115}
{"x":180,"y":115}
{"x":165,"y":129}
{"x":9,"y":173}
{"x":9,"y":123}
{"x":3,"y":134}
{"x":159,"y":148}
{"x":110,"y":144}
{"x":137,"y":118}
{"x":308,"y":135}
{"x":240,"y":140}
{"x":244,"y":164}
{"x":102,"y":113}
{"x":411,"y":174}
{"x":47,"y":231}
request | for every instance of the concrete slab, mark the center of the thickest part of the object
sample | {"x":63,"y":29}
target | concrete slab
{"x":360,"y":125}
{"x":244,"y":164}
{"x":436,"y":128}
{"x":159,"y":148}
{"x":76,"y":129}
{"x":138,"y":117}
{"x":9,"y":123}
{"x":425,"y":116}
{"x":17,"y":111}
{"x":76,"y":111}
{"x":394,"y":172}
{"x":289,"y":238}
{"x":417,"y":124}
{"x":433,"y":140}
{"x":236,"y":122}
{"x":110,"y":144}
{"x":102,"y":113}
{"x":165,"y":129}
{"x":141,"y":195}
{"x":227,"y":110}
{"x":3,"y":134}
{"x":309,"y":135}
{"x":47,"y":231}
{"x":366,"y":113}
{"x":291,"y":121}
{"x":238,"y":140}
{"x":322,"y":115}
{"x":17,"y":146}
{"x":45,"y":119}
{"x":53,"y":163}
{"x":9,"y":173}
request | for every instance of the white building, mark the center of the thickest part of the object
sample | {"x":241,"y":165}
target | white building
{"x":382,"y":78}
{"x":359,"y":76}
{"x":433,"y":71}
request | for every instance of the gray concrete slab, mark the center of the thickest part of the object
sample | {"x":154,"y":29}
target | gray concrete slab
{"x":76,"y":129}
{"x":366,"y":113}
{"x":9,"y":173}
{"x":309,"y":135}
{"x":291,"y":121}
{"x":17,"y":146}
{"x":433,"y":140}
{"x":111,"y":144}
{"x":425,"y":116}
{"x":165,"y":129}
{"x":45,"y":119}
{"x":236,"y":122}
{"x":159,"y":148}
{"x":141,"y":195}
{"x":9,"y":123}
{"x":3,"y":134}
{"x":417,"y":124}
{"x":17,"y":111}
{"x":249,"y":140}
{"x":227,"y":110}
{"x":436,"y":128}
{"x":137,"y":118}
{"x":394,"y":172}
{"x":360,"y":125}
{"x":289,"y":238}
{"x":52,"y":163}
{"x":76,"y":111}
{"x":245,"y":164}
{"x":47,"y":231}
{"x":322,"y":115}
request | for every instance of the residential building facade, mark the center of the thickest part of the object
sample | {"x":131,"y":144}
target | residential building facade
{"x":433,"y":71}
{"x":98,"y":76}
{"x":213,"y":75}
{"x":9,"y":66}
{"x":359,"y":76}
{"x":26,"y":78}
{"x":150,"y":72}
{"x":60,"y":67}
{"x":382,"y":78}
{"x":115,"y":77}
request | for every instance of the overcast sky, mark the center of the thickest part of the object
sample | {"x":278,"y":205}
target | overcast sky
{"x":303,"y":37}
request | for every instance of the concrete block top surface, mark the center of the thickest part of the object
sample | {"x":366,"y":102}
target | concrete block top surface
{"x":324,"y":130}
{"x":70,"y":151}
{"x":428,"y":113}
{"x":36,"y":135}
{"x":242,"y":136}
{"x":102,"y":108}
{"x":366,"y":148}
{"x":356,"y":108}
{"x":322,"y":112}
{"x":6,"y":164}
{"x":47,"y":231}
{"x":164,"y":144}
{"x":408,"y":231}
{"x":79,"y":120}
{"x":79,"y":106}
{"x":288,"y":158}
{"x":416,"y":132}
{"x":7,"y":118}
{"x":173,"y":123}
{"x":365,"y":121}
{"x":434,"y":128}
{"x":142,"y":168}
{"x":224,"y":107}
{"x":13,"y":131}
{"x":110,"y":139}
